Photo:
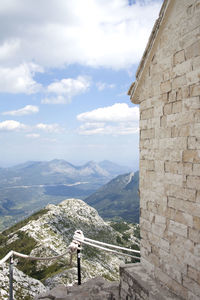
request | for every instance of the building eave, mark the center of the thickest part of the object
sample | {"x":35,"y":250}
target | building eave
{"x":146,"y":54}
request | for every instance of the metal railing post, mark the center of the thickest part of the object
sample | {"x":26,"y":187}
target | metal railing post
{"x":11,"y":278}
{"x":79,"y":264}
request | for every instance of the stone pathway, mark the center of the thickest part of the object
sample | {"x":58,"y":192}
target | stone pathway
{"x":94,"y":289}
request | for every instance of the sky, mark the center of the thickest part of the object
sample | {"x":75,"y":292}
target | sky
{"x":65,"y":69}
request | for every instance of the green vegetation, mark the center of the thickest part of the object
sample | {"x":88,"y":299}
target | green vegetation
{"x":137,"y":232}
{"x":120,"y":226}
{"x":23,"y":244}
{"x":22,"y":223}
{"x":118,"y":199}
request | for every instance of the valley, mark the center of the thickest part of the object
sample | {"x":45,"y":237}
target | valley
{"x":28,"y":187}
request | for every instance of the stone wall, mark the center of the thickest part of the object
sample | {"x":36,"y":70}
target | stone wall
{"x":169,"y":96}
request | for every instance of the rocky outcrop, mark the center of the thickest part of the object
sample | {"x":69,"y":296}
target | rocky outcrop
{"x":49,"y":235}
{"x":23,"y":285}
{"x":94,"y":289}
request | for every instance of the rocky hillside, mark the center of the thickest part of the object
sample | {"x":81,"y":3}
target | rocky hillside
{"x":28,"y":187}
{"x":48,"y":233}
{"x":118,"y":198}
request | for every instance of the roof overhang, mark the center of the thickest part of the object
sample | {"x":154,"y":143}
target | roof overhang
{"x":132,"y":92}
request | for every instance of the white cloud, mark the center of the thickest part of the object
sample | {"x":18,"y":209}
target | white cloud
{"x":27,"y":110}
{"x":19,"y":79}
{"x":106,"y":129}
{"x":54,"y":100}
{"x":11,"y":125}
{"x":118,"y":119}
{"x":65,"y":89}
{"x":33,"y":135}
{"x":93,"y":33}
{"x":119,"y":112}
{"x":50,"y":128}
{"x":102,"y":86}
{"x":8,"y":49}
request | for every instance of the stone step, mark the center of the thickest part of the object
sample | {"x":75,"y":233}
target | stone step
{"x":94,"y":289}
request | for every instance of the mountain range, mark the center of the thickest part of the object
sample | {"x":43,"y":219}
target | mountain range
{"x":118,"y":198}
{"x":28,"y":187}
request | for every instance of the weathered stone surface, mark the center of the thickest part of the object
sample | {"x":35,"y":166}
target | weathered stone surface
{"x":94,"y":289}
{"x":179,"y":57}
{"x":137,"y":284}
{"x":170,"y":187}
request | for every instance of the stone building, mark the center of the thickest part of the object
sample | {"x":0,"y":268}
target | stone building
{"x":167,"y":89}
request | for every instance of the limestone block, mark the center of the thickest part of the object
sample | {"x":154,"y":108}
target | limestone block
{"x":170,"y":213}
{"x":159,"y":166}
{"x":192,"y":260}
{"x":163,"y":121}
{"x":169,"y":268}
{"x":171,"y":284}
{"x":181,"y":192}
{"x":165,"y":97}
{"x":144,"y":224}
{"x":167,"y":109}
{"x":147,"y":164}
{"x":193,"y":50}
{"x":172,"y":96}
{"x":198,"y":197}
{"x":193,"y":77}
{"x":164,"y":245}
{"x":185,"y":92}
{"x":158,"y":229}
{"x":179,"y":57}
{"x":179,"y":81}
{"x":196,"y":169}
{"x":195,"y":130}
{"x":191,"y":285}
{"x":193,"y":182}
{"x":196,"y":63}
{"x":193,"y":143}
{"x":191,"y":103}
{"x":191,"y":296}
{"x":197,"y":116}
{"x":144,"y":124}
{"x":194,"y":274}
{"x":160,"y":219}
{"x":194,"y":235}
{"x":196,"y":222}
{"x":162,"y":132}
{"x":168,"y":154}
{"x":147,"y":133}
{"x":165,"y":86}
{"x":195,"y":90}
{"x":158,"y":111}
{"x":146,"y":244}
{"x":176,"y":107}
{"x":197,"y":250}
{"x":174,"y":179}
{"x":173,"y":143}
{"x":184,"y":68}
{"x":180,"y":119}
{"x":179,"y":95}
{"x":147,"y":113}
{"x":191,"y":208}
{"x":183,"y":218}
{"x":191,"y":156}
{"x":178,"y":228}
{"x":179,"y":168}
{"x":154,"y":259}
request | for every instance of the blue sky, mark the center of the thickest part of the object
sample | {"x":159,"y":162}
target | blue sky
{"x":65,"y":69}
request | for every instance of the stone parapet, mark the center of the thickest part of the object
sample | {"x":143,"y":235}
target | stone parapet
{"x":136,"y":284}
